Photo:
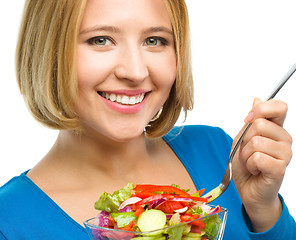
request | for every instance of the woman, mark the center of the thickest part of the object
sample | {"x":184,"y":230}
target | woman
{"x":113,"y":77}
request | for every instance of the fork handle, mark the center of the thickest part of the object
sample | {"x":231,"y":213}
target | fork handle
{"x":271,"y":96}
{"x":282,"y":82}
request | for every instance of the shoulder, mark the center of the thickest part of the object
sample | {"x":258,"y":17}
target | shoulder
{"x":15,"y":197}
{"x":11,"y":190}
{"x":12,"y":193}
{"x":23,"y":203}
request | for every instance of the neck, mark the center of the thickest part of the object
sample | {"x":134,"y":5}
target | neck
{"x":90,"y":156}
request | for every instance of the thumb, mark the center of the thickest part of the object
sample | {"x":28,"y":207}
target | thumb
{"x":256,"y":101}
{"x":250,"y":115}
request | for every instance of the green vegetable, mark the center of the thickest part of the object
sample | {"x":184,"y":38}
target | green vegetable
{"x":158,"y":237}
{"x":176,"y":232}
{"x":198,"y":210}
{"x":214,"y":193}
{"x":177,"y":186}
{"x":111,"y":202}
{"x":151,"y":220}
{"x":124,"y":218}
{"x":193,"y":236}
{"x":195,"y":194}
{"x":213,"y":224}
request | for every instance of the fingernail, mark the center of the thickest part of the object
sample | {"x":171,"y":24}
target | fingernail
{"x":249,"y":118}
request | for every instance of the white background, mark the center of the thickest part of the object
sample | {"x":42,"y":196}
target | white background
{"x":241,"y":49}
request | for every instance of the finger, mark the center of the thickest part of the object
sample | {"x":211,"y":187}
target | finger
{"x":267,"y":165}
{"x":261,"y":145}
{"x":265,"y":128}
{"x":274,"y":110}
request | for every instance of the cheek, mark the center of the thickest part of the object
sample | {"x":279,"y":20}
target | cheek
{"x":164,"y":70}
{"x":92,"y":68}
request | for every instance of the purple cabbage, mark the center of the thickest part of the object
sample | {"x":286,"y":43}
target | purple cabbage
{"x":155,"y":203}
{"x":125,"y":209}
{"x":102,"y":219}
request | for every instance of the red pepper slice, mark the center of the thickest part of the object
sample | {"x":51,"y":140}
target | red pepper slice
{"x":139,"y":211}
{"x":142,"y":187}
{"x":143,"y":194}
{"x":129,"y":227}
{"x":147,"y":190}
{"x":201,"y":191}
{"x":160,"y":189}
{"x":200,"y":199}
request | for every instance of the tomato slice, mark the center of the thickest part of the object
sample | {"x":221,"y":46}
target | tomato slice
{"x":188,"y":217}
{"x":169,"y":206}
{"x":199,"y":224}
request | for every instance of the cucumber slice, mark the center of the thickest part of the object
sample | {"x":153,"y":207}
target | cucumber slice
{"x":151,"y":220}
{"x":193,"y":236}
{"x":150,"y":238}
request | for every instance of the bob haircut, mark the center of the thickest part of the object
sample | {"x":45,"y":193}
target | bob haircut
{"x":46,"y":64}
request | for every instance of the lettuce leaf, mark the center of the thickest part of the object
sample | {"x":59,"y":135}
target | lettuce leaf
{"x":124,"y":218}
{"x":111,"y":202}
{"x":175,"y":233}
{"x":213,"y":224}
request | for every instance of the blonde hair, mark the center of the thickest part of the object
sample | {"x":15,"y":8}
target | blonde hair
{"x":46,"y":60}
{"x":46,"y":64}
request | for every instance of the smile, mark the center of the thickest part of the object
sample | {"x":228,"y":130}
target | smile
{"x":123,"y":99}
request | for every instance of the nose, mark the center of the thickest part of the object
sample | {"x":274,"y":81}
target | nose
{"x":131,"y":65}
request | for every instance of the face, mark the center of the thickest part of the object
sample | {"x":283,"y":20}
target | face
{"x":126,"y":65}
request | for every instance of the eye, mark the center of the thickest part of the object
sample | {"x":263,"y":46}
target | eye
{"x":155,"y":41}
{"x":100,"y":41}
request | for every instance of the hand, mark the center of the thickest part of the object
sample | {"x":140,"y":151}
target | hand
{"x":260,"y":163}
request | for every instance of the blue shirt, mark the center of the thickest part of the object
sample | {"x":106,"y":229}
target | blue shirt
{"x":26,"y":212}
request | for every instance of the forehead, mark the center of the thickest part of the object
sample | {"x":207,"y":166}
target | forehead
{"x":126,"y":12}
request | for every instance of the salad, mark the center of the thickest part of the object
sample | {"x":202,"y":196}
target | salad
{"x":156,"y":209}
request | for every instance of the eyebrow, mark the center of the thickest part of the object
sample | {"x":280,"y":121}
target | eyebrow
{"x":158,"y":29}
{"x":117,"y":30}
{"x":100,"y":28}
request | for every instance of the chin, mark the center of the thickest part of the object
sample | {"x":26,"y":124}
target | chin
{"x":115,"y":134}
{"x":126,"y":135}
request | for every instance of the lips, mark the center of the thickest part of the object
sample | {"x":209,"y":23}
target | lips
{"x":125,"y":101}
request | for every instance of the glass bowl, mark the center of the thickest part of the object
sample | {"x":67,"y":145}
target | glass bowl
{"x":215,"y":222}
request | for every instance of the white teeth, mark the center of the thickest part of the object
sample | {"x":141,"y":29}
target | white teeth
{"x":118,"y":99}
{"x":113,"y":97}
{"x":123,"y":99}
{"x":132,"y":100}
{"x":141,"y":97}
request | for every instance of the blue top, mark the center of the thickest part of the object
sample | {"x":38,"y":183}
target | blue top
{"x":26,"y":212}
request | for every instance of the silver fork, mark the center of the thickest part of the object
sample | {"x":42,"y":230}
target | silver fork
{"x":216,"y":192}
